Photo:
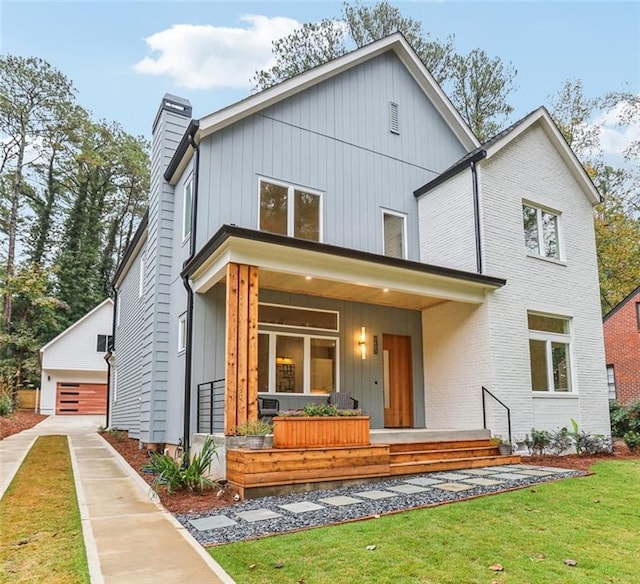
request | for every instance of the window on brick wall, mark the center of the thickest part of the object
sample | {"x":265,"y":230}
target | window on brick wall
{"x":611,"y":381}
{"x":549,"y":353}
{"x":638,"y":314}
{"x":541,"y":235}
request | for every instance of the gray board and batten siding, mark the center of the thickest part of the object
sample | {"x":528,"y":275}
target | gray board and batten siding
{"x":334,"y":138}
{"x":362,"y":378}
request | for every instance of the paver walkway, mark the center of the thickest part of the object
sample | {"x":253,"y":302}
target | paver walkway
{"x":129,"y":538}
{"x":294,"y":511}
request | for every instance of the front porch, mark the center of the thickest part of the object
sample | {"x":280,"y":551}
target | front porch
{"x":390,"y":453}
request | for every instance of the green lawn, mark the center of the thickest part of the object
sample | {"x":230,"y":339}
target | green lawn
{"x":593,"y":520}
{"x":40,"y":531}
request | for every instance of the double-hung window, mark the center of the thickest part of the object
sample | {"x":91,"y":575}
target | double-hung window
{"x":541,"y":235}
{"x":289,"y":210}
{"x":611,"y":381}
{"x":549,"y":352}
{"x":102,"y":343}
{"x":297,"y":350}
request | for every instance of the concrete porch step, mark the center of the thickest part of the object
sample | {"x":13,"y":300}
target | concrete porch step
{"x":418,"y":467}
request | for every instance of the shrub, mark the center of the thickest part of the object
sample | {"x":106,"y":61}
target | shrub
{"x":632,"y":440}
{"x":538,"y":442}
{"x":588,"y":444}
{"x":6,"y":403}
{"x":170,"y":473}
{"x":619,"y":418}
{"x":559,"y":441}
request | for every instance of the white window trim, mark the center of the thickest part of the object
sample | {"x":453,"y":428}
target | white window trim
{"x":403,"y":216}
{"x":188,"y":183}
{"x":290,"y":326}
{"x":306,"y":381}
{"x":182,"y":332}
{"x":291,"y":188}
{"x":548,"y":338}
{"x":558,"y":215}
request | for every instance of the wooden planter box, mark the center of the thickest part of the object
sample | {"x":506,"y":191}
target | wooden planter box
{"x":312,"y":432}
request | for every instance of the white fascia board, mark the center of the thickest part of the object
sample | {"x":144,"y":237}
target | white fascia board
{"x":76,"y":369}
{"x":184,"y":161}
{"x":358,"y":272}
{"x":132,"y":258}
{"x":542,"y":117}
{"x":75,"y":324}
{"x":396,"y":42}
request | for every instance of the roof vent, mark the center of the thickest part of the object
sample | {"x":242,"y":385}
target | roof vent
{"x":394,"y":123}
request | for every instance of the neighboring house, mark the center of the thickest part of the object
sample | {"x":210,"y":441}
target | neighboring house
{"x":622,"y":348}
{"x":74,"y":372}
{"x":345,"y":231}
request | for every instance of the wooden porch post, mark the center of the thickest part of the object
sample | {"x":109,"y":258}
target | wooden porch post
{"x":241,"y":402}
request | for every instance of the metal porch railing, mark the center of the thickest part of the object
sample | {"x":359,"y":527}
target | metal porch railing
{"x":211,"y":406}
{"x":485,"y":392}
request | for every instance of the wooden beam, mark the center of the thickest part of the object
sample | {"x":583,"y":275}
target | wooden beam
{"x":252,"y":349}
{"x":243,"y":342}
{"x":231,"y":418}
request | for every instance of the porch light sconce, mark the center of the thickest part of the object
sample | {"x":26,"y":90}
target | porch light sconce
{"x":362,"y":343}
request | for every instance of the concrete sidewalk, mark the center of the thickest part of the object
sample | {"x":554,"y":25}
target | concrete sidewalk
{"x":129,"y":538}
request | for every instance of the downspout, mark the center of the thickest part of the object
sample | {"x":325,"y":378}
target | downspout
{"x":185,"y":280}
{"x":476,"y":216}
{"x":110,"y":350}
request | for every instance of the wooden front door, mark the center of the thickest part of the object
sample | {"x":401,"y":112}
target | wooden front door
{"x":398,"y":383}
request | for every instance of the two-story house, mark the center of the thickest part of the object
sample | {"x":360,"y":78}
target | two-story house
{"x":345,"y":231}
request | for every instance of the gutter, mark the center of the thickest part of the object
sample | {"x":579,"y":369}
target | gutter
{"x":476,"y":216}
{"x":189,"y":136}
{"x":110,"y":350}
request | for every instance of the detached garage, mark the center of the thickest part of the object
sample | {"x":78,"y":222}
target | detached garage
{"x":74,"y":372}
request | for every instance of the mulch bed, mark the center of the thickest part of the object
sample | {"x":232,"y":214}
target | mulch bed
{"x":179,"y":502}
{"x":18,"y":421}
{"x":575,"y":462}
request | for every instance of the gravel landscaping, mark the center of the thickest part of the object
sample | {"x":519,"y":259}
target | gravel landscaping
{"x":236,"y":525}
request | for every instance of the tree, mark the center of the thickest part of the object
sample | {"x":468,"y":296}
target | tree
{"x":32,"y":94}
{"x":480,"y":89}
{"x":479,"y":86}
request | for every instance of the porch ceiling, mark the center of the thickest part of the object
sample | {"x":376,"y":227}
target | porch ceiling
{"x":292,"y":265}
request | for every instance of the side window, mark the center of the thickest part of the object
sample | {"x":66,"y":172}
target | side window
{"x":102,"y":344}
{"x":541,"y":234}
{"x":187,"y":202}
{"x":394,"y":234}
{"x":611,"y":381}
{"x":182,"y":332}
{"x":549,"y":353}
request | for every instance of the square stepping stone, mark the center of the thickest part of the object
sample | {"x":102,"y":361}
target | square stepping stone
{"x":424,"y":481}
{"x":481,"y":472}
{"x":536,"y":472}
{"x":525,"y":466}
{"x":214,"y":522}
{"x":512,"y":476}
{"x":451,"y":476}
{"x":375,"y":495}
{"x":453,"y":487}
{"x":408,"y":489}
{"x":340,"y":501}
{"x":258,"y":515}
{"x":553,"y":469}
{"x":483,"y":482}
{"x":303,"y":507}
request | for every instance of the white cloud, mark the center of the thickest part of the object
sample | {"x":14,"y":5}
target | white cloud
{"x":206,"y":56}
{"x":615,"y":139}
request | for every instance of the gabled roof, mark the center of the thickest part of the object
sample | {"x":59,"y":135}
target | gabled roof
{"x":620,"y":304}
{"x":264,"y":99}
{"x":507,"y":136}
{"x":75,"y":324}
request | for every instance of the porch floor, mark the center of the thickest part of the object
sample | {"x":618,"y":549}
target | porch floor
{"x":270,"y":471}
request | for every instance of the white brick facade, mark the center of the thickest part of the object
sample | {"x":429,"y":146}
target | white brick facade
{"x":490,"y":345}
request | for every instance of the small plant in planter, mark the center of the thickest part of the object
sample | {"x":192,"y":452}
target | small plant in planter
{"x":255,"y":432}
{"x":504,"y":446}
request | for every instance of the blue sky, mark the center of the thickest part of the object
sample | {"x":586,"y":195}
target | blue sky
{"x":104,"y":47}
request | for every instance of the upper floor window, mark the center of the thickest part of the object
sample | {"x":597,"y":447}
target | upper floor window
{"x":541,"y":231}
{"x":289,"y":210}
{"x":141,"y":278}
{"x":187,"y":201}
{"x":394,"y":233}
{"x":549,"y":353}
{"x":103,"y":343}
